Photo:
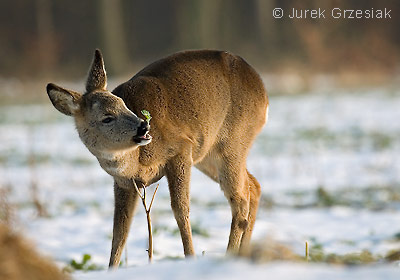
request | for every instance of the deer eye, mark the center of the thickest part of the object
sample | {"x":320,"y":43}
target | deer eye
{"x":107,"y":120}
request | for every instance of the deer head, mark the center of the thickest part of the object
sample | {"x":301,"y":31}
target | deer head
{"x":103,"y":121}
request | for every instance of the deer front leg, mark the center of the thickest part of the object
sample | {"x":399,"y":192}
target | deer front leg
{"x":178,"y":175}
{"x":125,"y":204}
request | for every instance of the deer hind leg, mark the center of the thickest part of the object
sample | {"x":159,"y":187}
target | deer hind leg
{"x":235,"y":185}
{"x":125,"y":204}
{"x":178,"y":176}
{"x":255,"y":193}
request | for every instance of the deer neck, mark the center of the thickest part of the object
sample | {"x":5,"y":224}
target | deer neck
{"x":122,"y":163}
{"x":126,"y":165}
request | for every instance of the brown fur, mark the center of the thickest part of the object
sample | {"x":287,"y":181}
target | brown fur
{"x":20,"y":261}
{"x":207,"y":108}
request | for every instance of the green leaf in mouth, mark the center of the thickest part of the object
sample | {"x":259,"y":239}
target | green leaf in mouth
{"x":147,"y":115}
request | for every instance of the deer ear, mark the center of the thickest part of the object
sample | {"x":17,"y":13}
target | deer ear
{"x":97,"y":78}
{"x":64,"y":100}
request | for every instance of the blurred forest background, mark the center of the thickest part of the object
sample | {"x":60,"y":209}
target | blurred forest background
{"x":55,"y":39}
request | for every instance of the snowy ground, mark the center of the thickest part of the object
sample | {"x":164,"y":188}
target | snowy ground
{"x":328,"y":164}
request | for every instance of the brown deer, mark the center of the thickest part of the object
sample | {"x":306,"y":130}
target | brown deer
{"x":207,"y":108}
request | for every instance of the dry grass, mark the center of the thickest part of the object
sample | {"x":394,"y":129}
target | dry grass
{"x":19,"y":260}
{"x":7,"y":210}
{"x":271,"y":250}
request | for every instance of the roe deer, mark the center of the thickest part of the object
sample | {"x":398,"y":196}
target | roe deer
{"x":207,"y":108}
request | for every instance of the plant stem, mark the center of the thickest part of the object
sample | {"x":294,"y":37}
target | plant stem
{"x":147,"y":210}
{"x":307,"y":252}
{"x":126,"y":256}
{"x":150,"y":251}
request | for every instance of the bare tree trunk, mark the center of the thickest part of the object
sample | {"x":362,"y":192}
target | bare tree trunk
{"x":186,"y":27}
{"x":114,"y":36}
{"x":46,"y":45}
{"x":227,"y":20}
{"x":210,"y":11}
{"x":266,"y":22}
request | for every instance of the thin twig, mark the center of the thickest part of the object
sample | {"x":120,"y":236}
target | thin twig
{"x":39,"y":206}
{"x":147,"y":210}
{"x":126,"y":256}
{"x":307,"y":252}
{"x":152,"y":199}
{"x":137,"y":189}
{"x":150,"y":230}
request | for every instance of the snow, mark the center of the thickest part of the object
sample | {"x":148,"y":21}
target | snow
{"x":231,"y":270}
{"x":345,"y":142}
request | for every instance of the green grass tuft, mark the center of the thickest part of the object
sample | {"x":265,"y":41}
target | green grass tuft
{"x":84,"y":265}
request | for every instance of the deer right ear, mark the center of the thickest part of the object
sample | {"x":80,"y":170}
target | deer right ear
{"x":97,"y":77}
{"x":64,"y":100}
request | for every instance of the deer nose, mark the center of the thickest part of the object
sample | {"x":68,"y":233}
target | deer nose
{"x":143,"y":128}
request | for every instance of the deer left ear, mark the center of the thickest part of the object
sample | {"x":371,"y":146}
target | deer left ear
{"x":97,"y":78}
{"x":64,"y":100}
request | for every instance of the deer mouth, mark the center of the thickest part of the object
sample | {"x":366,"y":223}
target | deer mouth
{"x":142,"y":139}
